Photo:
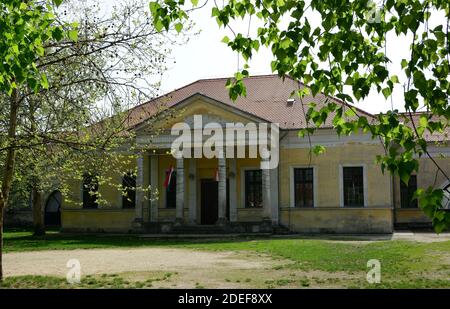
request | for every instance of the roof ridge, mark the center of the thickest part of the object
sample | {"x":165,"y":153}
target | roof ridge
{"x":194,"y":82}
{"x":249,"y":77}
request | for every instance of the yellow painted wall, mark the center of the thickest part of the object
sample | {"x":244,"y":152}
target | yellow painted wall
{"x":327,"y":165}
{"x":109,"y":215}
{"x":249,"y":214}
{"x":337,"y":220}
{"x":97,"y":220}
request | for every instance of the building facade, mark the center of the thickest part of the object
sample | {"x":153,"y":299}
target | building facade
{"x":340,"y":191}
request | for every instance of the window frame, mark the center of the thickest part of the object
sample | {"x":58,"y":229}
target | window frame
{"x":292,"y":185}
{"x":402,"y":186}
{"x":135,"y":191}
{"x":95,"y":204}
{"x":341,"y":184}
{"x":444,"y":186}
{"x":166,"y":205}
{"x":244,"y":171}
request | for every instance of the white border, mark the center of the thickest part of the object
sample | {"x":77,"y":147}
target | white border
{"x":291,"y":185}
{"x":341,"y":183}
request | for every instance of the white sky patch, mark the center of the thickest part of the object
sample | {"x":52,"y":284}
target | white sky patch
{"x":205,"y":56}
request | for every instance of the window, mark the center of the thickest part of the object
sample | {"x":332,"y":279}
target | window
{"x":446,"y":199}
{"x":407,"y":192}
{"x":90,"y":191}
{"x":253,"y":188}
{"x":129,"y":191}
{"x":171,"y":191}
{"x":353,"y":186}
{"x":304,"y":187}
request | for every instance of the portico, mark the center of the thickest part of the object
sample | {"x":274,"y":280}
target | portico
{"x":207,"y":191}
{"x":206,"y":187}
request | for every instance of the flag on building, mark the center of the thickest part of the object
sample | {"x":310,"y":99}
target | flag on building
{"x":169,"y":174}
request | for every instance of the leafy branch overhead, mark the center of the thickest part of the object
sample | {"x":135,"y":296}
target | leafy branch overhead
{"x":346,"y":56}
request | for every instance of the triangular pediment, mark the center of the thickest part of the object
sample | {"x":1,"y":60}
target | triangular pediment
{"x":210,"y":111}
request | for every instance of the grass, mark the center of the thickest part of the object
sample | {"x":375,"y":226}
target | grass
{"x":110,"y":281}
{"x":17,"y":240}
{"x":404,"y":264}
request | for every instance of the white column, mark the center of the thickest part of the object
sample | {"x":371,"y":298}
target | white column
{"x":274,"y":194}
{"x":222,"y":190}
{"x":139,"y":185}
{"x":154,"y":168}
{"x":180,"y":191}
{"x":267,"y":206}
{"x":233,"y":191}
{"x":192,"y":191}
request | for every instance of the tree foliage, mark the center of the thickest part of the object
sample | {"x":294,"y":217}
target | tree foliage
{"x":71,"y":72}
{"x":345,"y":56}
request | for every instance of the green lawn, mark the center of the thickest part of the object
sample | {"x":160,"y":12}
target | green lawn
{"x":404,"y":264}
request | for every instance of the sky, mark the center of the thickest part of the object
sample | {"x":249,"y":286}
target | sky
{"x":205,"y":56}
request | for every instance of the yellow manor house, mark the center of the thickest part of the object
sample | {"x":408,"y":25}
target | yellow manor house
{"x":340,"y":191}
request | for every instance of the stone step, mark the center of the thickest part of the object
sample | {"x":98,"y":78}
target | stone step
{"x":281,"y":230}
{"x":199,"y":229}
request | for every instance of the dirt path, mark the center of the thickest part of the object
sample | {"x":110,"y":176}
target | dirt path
{"x":187,"y":268}
{"x":99,"y":261}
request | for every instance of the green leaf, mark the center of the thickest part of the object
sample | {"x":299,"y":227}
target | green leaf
{"x":153,"y":7}
{"x":158,"y":25}
{"x":57,"y":2}
{"x":73,"y":35}
{"x":394,"y":79}
{"x":404,"y":63}
{"x":57,"y":33}
{"x":318,"y":149}
{"x":178,"y":27}
{"x":423,"y":121}
{"x":387,"y":92}
{"x":44,"y":81}
{"x":194,"y":2}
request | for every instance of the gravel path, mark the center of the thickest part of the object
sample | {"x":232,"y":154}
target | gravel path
{"x":99,"y":261}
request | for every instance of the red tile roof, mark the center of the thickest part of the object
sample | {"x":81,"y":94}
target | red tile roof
{"x":266,"y":98}
{"x":436,"y":136}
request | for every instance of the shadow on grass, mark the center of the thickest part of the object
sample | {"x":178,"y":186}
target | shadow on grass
{"x":23,"y":240}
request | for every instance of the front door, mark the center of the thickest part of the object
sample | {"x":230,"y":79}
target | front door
{"x":210,"y":201}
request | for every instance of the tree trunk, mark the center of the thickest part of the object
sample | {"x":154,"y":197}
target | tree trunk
{"x":38,"y":222}
{"x":8,"y":173}
{"x":1,"y":236}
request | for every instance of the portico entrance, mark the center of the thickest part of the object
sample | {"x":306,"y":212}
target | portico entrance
{"x":209,"y":201}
